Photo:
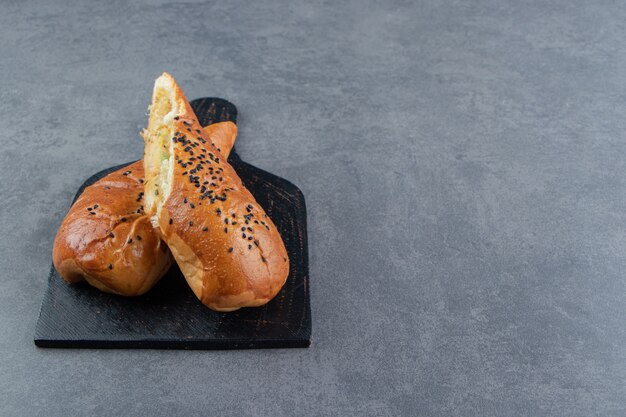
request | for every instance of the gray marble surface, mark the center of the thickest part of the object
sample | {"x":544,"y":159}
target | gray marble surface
{"x":464,"y":168}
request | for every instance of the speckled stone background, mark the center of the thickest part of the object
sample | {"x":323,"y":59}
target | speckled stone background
{"x":464,"y":168}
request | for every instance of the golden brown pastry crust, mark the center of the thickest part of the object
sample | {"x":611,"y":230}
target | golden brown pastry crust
{"x":106,"y":238}
{"x":228,"y":249}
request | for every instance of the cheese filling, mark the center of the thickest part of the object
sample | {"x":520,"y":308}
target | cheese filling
{"x":158,"y":152}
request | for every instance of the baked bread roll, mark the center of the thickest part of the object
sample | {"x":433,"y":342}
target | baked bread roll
{"x":107,"y":240}
{"x":228,"y":249}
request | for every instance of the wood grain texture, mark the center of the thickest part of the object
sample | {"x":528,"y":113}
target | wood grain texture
{"x":170,"y":316}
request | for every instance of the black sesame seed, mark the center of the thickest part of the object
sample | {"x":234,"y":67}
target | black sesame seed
{"x":192,"y":205}
{"x":243,"y":235}
{"x":123,"y":219}
{"x":218,"y":211}
{"x":138,"y":237}
{"x":95,"y":206}
{"x":89,"y":208}
{"x":249,"y":237}
{"x":249,"y":247}
{"x":234,"y":223}
{"x":171,"y":221}
{"x":111,"y":235}
{"x":204,"y":229}
{"x":92,"y":212}
{"x":110,"y":266}
{"x":230,"y":249}
{"x":130,"y":240}
{"x":226,"y":230}
{"x":190,"y":223}
{"x":243,"y":229}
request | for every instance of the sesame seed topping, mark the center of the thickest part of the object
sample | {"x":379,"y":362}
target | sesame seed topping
{"x":110,"y":266}
{"x":230,"y":249}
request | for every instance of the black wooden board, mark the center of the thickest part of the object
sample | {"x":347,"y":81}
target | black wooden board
{"x":170,"y":316}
